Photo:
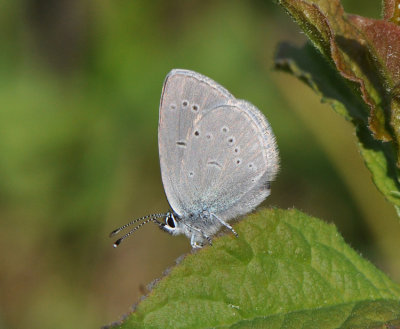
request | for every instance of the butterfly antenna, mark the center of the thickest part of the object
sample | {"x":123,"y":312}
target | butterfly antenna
{"x":135,"y":221}
{"x":118,"y":242}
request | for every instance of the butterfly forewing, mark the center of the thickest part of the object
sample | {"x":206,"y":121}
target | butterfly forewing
{"x":215,"y":151}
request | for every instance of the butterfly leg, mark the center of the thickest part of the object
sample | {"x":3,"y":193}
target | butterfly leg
{"x":225,"y":224}
{"x":194,"y":243}
{"x":198,"y":243}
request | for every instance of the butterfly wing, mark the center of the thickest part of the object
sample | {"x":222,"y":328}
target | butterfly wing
{"x":216,"y":153}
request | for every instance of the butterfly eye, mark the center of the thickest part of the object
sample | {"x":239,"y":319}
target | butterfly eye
{"x":170,"y":221}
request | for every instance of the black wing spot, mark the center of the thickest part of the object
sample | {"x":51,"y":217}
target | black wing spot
{"x":181,"y":143}
{"x":215,"y":164}
{"x":231,"y":140}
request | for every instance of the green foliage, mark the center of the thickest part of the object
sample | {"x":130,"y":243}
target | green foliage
{"x":308,"y":65}
{"x":360,"y":79}
{"x":285,"y":269}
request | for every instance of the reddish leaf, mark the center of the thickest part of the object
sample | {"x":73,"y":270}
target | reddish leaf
{"x":391,"y":11}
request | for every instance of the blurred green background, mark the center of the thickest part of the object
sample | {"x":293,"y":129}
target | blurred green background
{"x":80,"y":83}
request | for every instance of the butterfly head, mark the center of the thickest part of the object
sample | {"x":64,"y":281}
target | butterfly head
{"x":171,"y":224}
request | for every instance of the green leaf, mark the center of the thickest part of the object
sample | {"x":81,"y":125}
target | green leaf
{"x":285,"y":270}
{"x":310,"y":67}
{"x":329,"y":29}
{"x":359,"y":78}
{"x":381,"y":40}
{"x":365,"y":51}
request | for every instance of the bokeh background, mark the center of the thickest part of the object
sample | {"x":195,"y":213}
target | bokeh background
{"x":80,"y":83}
